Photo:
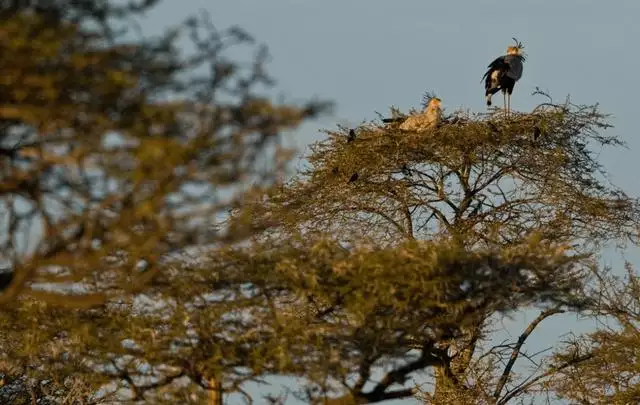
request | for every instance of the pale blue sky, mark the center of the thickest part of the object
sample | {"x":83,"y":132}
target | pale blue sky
{"x":368,"y":54}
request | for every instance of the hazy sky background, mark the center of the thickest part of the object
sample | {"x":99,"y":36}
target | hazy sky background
{"x":369,"y":54}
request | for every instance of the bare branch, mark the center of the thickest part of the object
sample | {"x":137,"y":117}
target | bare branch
{"x":516,"y":351}
{"x":399,"y":375}
{"x":523,"y":387}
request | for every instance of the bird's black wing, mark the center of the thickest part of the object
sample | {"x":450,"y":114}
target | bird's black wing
{"x":498,"y":64}
{"x":396,"y":119}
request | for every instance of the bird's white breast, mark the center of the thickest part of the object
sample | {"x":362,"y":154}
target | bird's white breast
{"x":423,"y":121}
{"x":494,"y":78}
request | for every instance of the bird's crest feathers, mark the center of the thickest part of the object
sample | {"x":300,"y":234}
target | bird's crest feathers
{"x":429,"y":98}
{"x":516,"y":49}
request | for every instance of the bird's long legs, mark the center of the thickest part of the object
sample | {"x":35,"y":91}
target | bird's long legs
{"x":504,"y":103}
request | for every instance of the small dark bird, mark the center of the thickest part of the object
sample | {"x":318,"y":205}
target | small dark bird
{"x":405,"y":170}
{"x":353,"y":177}
{"x":503,"y":73}
{"x":352,"y":136}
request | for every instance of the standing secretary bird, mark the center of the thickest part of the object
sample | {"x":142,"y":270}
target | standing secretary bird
{"x":429,"y":118}
{"x":503,"y":73}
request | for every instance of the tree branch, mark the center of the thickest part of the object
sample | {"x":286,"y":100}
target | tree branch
{"x":364,"y":375}
{"x":387,"y":396}
{"x":399,"y":375}
{"x":371,"y":210}
{"x":516,"y":351}
{"x":512,"y":394}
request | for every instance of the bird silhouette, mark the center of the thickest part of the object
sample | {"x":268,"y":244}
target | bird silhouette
{"x":503,"y":73}
{"x":352,"y":135}
{"x":405,"y":170}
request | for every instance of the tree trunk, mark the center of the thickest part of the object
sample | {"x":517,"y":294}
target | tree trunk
{"x":450,"y":375}
{"x":215,"y":392}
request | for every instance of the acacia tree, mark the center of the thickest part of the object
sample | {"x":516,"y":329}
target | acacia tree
{"x":116,"y":151}
{"x":527,"y":183}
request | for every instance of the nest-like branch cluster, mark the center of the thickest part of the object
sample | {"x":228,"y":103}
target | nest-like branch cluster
{"x":491,"y":178}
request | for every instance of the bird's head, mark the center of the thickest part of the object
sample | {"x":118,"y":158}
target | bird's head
{"x":430,"y":101}
{"x":517,"y":49}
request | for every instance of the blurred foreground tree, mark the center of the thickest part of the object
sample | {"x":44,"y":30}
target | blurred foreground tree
{"x":116,"y":145}
{"x":115,"y":151}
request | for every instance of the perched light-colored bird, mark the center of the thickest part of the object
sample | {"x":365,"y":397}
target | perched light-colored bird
{"x":503,"y":73}
{"x":429,"y":118}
